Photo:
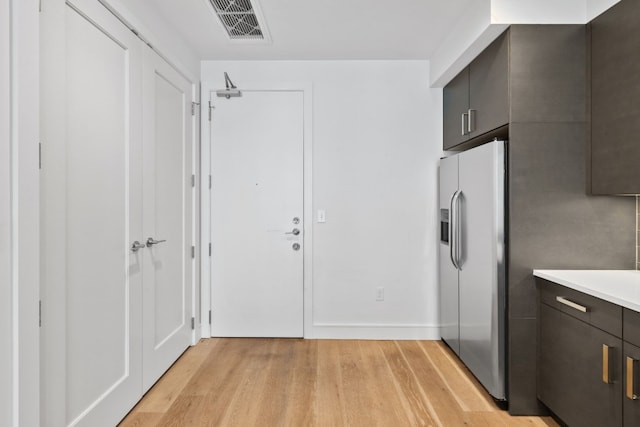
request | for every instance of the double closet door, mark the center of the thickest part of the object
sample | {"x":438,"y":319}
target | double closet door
{"x":117,"y":204}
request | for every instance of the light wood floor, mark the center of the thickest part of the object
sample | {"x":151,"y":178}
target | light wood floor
{"x":287,"y":382}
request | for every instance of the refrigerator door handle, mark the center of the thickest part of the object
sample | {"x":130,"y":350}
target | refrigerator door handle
{"x":458,"y":251}
{"x":454,"y":232}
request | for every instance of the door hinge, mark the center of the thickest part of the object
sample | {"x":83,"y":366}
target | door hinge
{"x":209,"y":182}
{"x":209,"y":249}
{"x":193,"y":180}
{"x":193,"y":107}
{"x":193,"y":251}
{"x":40,"y":155}
{"x":210,"y":108}
{"x":193,"y":323}
{"x":40,"y":313}
{"x":209,"y":316}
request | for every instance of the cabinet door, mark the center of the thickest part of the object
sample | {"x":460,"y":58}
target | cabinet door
{"x":615,"y":110}
{"x":489,"y":87}
{"x":456,"y":103}
{"x":571,"y":370}
{"x":631,"y":385}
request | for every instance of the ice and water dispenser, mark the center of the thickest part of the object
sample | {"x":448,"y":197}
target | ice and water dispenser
{"x":444,"y":226}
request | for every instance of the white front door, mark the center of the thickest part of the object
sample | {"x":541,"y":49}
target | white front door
{"x":92,"y":212}
{"x":167,"y":194}
{"x":256,"y":208}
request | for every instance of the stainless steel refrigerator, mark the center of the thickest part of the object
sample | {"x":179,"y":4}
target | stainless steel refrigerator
{"x":472,"y":261}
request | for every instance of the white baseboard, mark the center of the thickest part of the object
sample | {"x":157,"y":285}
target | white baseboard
{"x":349,"y":331}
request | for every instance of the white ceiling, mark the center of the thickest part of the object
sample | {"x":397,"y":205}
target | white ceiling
{"x":320,"y":29}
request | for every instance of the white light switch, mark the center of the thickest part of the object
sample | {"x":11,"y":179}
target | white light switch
{"x":322,"y":215}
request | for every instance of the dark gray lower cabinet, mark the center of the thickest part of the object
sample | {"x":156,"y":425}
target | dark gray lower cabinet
{"x":573,"y":367}
{"x":631,"y":384}
{"x":588,"y":358}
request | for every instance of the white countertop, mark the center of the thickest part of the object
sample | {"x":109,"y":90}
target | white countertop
{"x":620,"y":287}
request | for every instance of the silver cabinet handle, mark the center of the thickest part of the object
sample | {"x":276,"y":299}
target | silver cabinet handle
{"x":568,"y":303}
{"x":464,"y":123}
{"x":295,"y":232}
{"x":470,"y":119}
{"x":151,"y":241}
{"x":137,"y":246}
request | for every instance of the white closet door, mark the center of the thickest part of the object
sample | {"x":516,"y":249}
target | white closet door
{"x":6,"y":400}
{"x":93,"y":212}
{"x":168,"y":195}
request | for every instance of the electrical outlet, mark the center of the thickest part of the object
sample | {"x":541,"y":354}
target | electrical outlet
{"x":380,"y":294}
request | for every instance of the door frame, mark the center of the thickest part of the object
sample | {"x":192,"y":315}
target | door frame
{"x":207,"y":88}
{"x":23,"y":216}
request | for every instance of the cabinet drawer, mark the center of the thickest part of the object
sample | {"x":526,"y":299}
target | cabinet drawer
{"x":594,"y":311}
{"x":631,"y":326}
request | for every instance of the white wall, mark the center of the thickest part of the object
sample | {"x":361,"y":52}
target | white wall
{"x":470,"y":36}
{"x":154,"y":30}
{"x":376,"y":144}
{"x":547,"y":11}
{"x":538,"y":12}
{"x":6,"y":323}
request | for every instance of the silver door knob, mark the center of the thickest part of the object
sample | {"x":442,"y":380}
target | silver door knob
{"x":151,"y":242}
{"x":137,"y":246}
{"x":295,"y":232}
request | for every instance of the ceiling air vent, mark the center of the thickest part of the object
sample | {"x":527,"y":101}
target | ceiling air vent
{"x":240,"y":18}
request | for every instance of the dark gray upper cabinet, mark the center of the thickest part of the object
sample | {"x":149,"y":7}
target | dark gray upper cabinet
{"x":456,"y":101}
{"x":489,"y":87}
{"x":476,"y":101}
{"x":615,"y":100}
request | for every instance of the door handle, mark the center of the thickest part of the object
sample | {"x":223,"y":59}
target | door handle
{"x":151,"y":241}
{"x":295,"y":232}
{"x":137,"y":246}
